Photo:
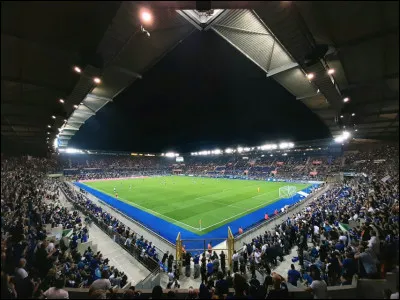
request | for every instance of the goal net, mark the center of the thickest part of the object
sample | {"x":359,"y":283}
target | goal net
{"x":287,"y":191}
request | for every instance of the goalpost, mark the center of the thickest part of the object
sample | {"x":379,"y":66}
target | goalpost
{"x":287,"y":191}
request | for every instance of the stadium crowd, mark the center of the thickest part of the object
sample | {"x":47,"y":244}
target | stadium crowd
{"x":352,"y":229}
{"x":33,"y":264}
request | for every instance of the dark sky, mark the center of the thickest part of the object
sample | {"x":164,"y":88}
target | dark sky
{"x":203,"y":94}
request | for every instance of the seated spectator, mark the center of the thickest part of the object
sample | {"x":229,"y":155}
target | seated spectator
{"x":293,"y":275}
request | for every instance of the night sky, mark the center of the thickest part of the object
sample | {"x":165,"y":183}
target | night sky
{"x":204,"y":94}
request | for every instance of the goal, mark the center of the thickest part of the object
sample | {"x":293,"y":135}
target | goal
{"x":287,"y":191}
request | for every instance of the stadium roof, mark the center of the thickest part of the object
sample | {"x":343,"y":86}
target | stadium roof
{"x":288,"y":40}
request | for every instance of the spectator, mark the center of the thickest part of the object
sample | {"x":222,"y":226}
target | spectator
{"x":293,"y":275}
{"x":318,"y":287}
{"x":57,"y":291}
{"x":157,"y":292}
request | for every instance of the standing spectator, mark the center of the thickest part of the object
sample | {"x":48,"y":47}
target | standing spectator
{"x":57,"y":291}
{"x":318,"y":287}
{"x":222,"y":259}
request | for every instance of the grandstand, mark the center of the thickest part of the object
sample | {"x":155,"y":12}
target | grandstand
{"x":285,"y":218}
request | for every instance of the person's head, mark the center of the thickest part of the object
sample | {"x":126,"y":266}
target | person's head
{"x":316,"y":274}
{"x":292,"y":266}
{"x":129,"y":294}
{"x":60,"y":283}
{"x":104,"y":274}
{"x":157,"y":292}
{"x":171,"y":295}
{"x":239,"y":284}
{"x":22,"y":263}
{"x":98,"y":294}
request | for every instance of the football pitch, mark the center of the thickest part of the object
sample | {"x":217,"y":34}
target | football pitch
{"x":197,"y":204}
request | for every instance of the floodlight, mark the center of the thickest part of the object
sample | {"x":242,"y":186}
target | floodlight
{"x":283,"y":145}
{"x":217,"y":151}
{"x":341,"y":116}
{"x":61,"y":101}
{"x":77,"y":69}
{"x":353,"y":114}
{"x":146,"y":17}
{"x":48,"y":126}
{"x":274,"y":146}
{"x":239,"y":149}
{"x":228,"y":150}
{"x":310,"y":76}
{"x":339,"y":139}
{"x":53,"y":117}
{"x":271,"y":155}
{"x":346,"y":99}
{"x":346,"y":134}
{"x":331,"y":71}
{"x":246,"y":149}
{"x":97,"y":80}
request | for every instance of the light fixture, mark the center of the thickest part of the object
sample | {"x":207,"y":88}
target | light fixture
{"x":48,"y":132}
{"x":48,"y":126}
{"x":97,"y":80}
{"x":75,"y":106}
{"x":331,"y":71}
{"x":53,"y":117}
{"x":146,"y":17}
{"x":346,"y":99}
{"x":61,"y":101}
{"x":77,"y":69}
{"x":310,"y":76}
{"x":341,"y":116}
{"x":353,"y":114}
{"x":356,"y":130}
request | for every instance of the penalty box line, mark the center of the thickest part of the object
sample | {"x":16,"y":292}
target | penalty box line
{"x":255,"y":207}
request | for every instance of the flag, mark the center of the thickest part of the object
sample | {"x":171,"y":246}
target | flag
{"x":344,"y":227}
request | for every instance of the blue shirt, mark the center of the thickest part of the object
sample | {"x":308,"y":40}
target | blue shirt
{"x":210,"y":267}
{"x":293,"y":276}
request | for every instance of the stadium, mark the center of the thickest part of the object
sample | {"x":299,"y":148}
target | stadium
{"x":200,"y":150}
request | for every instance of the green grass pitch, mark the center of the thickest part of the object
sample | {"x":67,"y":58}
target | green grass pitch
{"x":185,"y":201}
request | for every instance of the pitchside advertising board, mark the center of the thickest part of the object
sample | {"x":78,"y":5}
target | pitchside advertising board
{"x":179,"y":159}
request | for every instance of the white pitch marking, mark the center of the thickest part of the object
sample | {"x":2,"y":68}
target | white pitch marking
{"x":239,"y":213}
